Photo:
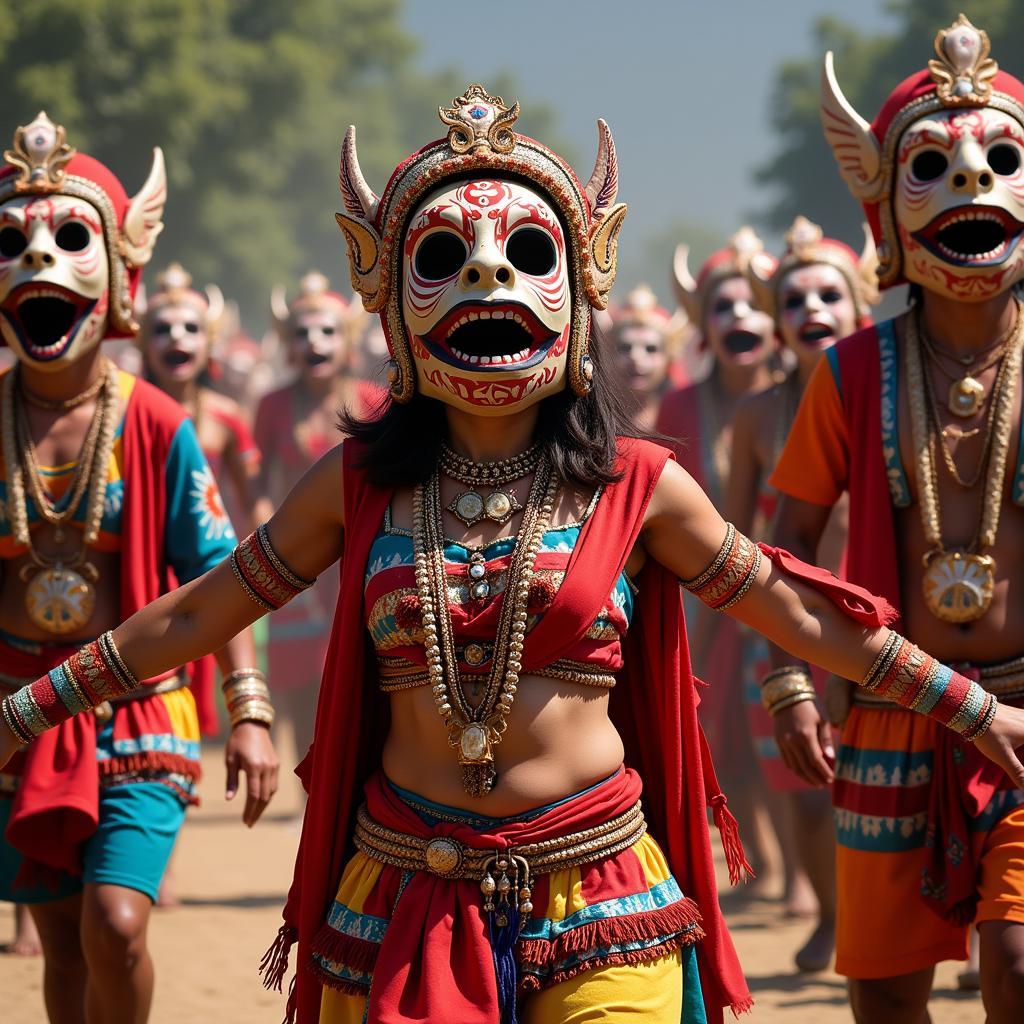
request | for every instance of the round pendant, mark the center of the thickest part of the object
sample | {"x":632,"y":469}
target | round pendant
{"x":473,"y":743}
{"x":966,"y":396}
{"x":480,"y":590}
{"x":498,"y":506}
{"x":60,"y":600}
{"x":958,"y":586}
{"x":477,"y":571}
{"x":470,"y":507}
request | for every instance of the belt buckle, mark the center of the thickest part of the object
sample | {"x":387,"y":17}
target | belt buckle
{"x":444,"y":857}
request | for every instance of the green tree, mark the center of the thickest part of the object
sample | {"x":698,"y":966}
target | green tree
{"x":802,"y":173}
{"x":249,"y":100}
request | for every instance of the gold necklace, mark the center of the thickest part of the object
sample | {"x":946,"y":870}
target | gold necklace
{"x":65,"y":404}
{"x":60,"y":595}
{"x":475,"y":731}
{"x":470,"y":507}
{"x":966,"y":393}
{"x":958,"y":583}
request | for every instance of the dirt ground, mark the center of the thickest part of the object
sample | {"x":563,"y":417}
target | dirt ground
{"x":232,"y":883}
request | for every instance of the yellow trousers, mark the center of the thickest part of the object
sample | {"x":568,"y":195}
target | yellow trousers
{"x":651,"y":992}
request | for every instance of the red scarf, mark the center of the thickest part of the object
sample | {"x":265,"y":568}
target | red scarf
{"x":654,"y":708}
{"x":55,"y":809}
{"x":963,"y":779}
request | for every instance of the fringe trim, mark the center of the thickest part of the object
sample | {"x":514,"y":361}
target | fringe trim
{"x":291,"y":1008}
{"x":743,"y":1006}
{"x":151,"y":761}
{"x":357,"y":954}
{"x":328,"y":980}
{"x":274,"y":965}
{"x":729,"y":829}
{"x":651,"y":924}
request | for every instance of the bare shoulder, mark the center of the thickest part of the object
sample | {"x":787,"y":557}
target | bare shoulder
{"x":761,"y":410}
{"x":674,"y":488}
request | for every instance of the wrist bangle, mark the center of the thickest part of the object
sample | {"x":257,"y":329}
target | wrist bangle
{"x":788,"y":702}
{"x":247,"y":697}
{"x":782,"y":685}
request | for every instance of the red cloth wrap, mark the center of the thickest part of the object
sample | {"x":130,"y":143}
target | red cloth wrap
{"x":961,"y":784}
{"x":653,"y":707}
{"x":56,"y":806}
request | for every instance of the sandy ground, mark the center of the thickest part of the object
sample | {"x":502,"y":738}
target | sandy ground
{"x":233,"y":881}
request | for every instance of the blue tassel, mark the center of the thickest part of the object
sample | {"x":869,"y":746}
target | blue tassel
{"x":506,"y":967}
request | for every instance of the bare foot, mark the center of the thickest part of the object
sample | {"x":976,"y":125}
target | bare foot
{"x":799,"y":898}
{"x":26,"y":938}
{"x":816,"y":953}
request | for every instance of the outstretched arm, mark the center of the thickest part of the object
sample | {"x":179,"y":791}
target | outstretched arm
{"x":685,"y":533}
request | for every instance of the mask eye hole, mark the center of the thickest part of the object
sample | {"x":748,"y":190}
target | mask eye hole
{"x":440,"y":256}
{"x":12,"y":243}
{"x":831,"y":295}
{"x":794,"y":300}
{"x":929,"y":165}
{"x":1004,"y":159}
{"x":531,"y":251}
{"x":72,"y":236}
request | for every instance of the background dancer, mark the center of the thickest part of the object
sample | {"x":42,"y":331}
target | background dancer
{"x":105,"y":493}
{"x":919,"y":419}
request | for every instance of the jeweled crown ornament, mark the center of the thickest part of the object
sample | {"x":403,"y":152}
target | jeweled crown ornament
{"x":174,"y":288}
{"x":481,"y":143}
{"x":964,"y":71}
{"x":41,"y":153}
{"x":315,"y":293}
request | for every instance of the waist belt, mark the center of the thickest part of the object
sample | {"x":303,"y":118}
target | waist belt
{"x":1005,"y":681}
{"x":503,"y":875}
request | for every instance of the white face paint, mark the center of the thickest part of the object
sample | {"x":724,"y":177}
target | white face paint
{"x":175,"y":342}
{"x":816,"y":309}
{"x":318,"y":344}
{"x":959,"y":202}
{"x":640,"y":357}
{"x":486,"y":297}
{"x":54,"y":279}
{"x":734,"y":329}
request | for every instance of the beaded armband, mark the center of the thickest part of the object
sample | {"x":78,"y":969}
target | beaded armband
{"x":89,"y":677}
{"x":785,"y":687}
{"x":907,"y":676}
{"x":247,"y":697}
{"x":262,"y":574}
{"x":730,"y":575}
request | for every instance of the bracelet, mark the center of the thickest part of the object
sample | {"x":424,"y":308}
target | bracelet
{"x":247,"y":697}
{"x":262,"y":574}
{"x":786,"y":686}
{"x":91,"y":676}
{"x":906,"y":675}
{"x":731,"y":572}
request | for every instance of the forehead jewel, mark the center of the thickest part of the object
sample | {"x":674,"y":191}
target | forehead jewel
{"x":477,"y":120}
{"x":39,"y":155}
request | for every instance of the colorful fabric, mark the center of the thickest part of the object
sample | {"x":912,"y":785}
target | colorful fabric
{"x":730,"y":574}
{"x":262,"y":574}
{"x":654,"y":713}
{"x":398,"y":934}
{"x":60,"y":771}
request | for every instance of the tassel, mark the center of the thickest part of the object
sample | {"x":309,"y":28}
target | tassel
{"x":291,"y":1008}
{"x":274,"y":965}
{"x":729,"y":830}
{"x":506,"y":968}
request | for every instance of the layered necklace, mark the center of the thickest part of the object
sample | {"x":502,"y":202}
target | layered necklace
{"x":959,"y":582}
{"x":60,"y":592}
{"x":500,"y":504}
{"x":474,"y":731}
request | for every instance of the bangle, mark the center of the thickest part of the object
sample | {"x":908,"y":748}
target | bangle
{"x":262,"y":573}
{"x":788,"y":702}
{"x":785,"y":687}
{"x":247,"y":697}
{"x":731,"y":572}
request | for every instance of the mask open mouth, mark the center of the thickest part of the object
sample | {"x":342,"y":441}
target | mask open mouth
{"x":314,"y":359}
{"x":46,"y":318}
{"x":490,"y":336}
{"x":738,"y":343}
{"x":175,"y":358}
{"x":972,"y":236}
{"x":816,"y":335}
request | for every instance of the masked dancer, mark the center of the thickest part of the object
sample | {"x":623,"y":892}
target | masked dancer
{"x":106,"y":494}
{"x":509,"y":628}
{"x":919,"y":419}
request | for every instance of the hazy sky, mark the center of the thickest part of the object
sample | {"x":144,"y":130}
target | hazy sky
{"x":684,"y":85}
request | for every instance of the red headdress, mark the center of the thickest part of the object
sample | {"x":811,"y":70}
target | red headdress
{"x":42,"y":163}
{"x":962,"y":76}
{"x":174,"y":288}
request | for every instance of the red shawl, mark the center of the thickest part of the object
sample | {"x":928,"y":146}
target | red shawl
{"x":55,"y":808}
{"x":654,"y":707}
{"x":963,"y":779}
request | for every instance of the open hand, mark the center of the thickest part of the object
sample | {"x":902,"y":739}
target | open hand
{"x":805,"y":742}
{"x":1003,"y":739}
{"x":249,"y":750}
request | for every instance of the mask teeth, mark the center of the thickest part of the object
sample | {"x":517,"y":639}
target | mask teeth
{"x":491,"y":360}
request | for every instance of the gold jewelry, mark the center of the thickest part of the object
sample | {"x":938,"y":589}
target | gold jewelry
{"x":474,"y":731}
{"x":64,"y":404}
{"x":247,"y":697}
{"x":499,"y":507}
{"x":488,"y":474}
{"x":785,"y":687}
{"x":59,"y":596}
{"x":958,"y":583}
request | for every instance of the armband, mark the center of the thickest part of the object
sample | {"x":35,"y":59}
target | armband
{"x":730,"y":574}
{"x":261,"y":573}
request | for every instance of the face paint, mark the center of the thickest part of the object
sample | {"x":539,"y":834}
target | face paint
{"x":959,"y":202}
{"x":318,"y":346}
{"x":734,"y":329}
{"x":640,"y":357}
{"x":177,"y":347}
{"x":815,"y":310}
{"x":54,"y":279}
{"x":486,"y":298}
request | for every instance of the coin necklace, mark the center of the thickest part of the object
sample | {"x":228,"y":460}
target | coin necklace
{"x":958,"y":583}
{"x":966,"y":392}
{"x":475,"y":731}
{"x":470,"y":507}
{"x":60,"y":594}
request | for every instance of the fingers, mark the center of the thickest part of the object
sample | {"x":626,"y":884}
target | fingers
{"x":254,"y":803}
{"x":826,"y":743}
{"x":810,"y":763}
{"x":231,"y":787}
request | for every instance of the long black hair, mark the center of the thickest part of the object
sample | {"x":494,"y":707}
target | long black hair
{"x":578,"y":431}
